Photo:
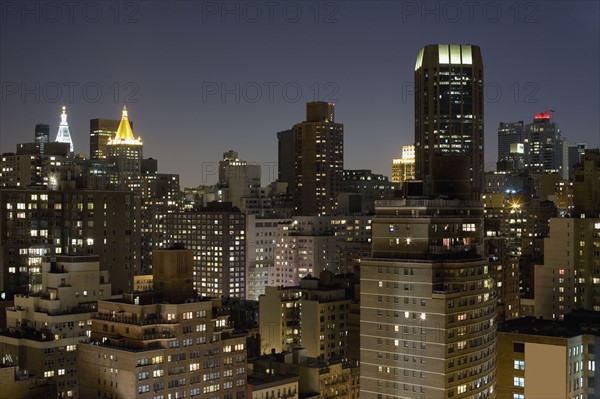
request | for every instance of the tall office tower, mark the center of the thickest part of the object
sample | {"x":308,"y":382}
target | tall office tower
{"x":509,"y":133}
{"x":449,"y":108}
{"x":313,"y":316}
{"x":64,"y":136}
{"x":35,"y":223}
{"x":404,"y":168}
{"x":101,"y":132}
{"x":427,"y":303}
{"x":543,"y":144}
{"x":569,"y":279}
{"x":319,"y":156}
{"x":42,"y":135}
{"x":217,"y":235}
{"x":126,"y":152}
{"x":286,"y":157}
{"x":44,"y":330}
{"x":238,"y":180}
{"x":163,"y":343}
{"x":586,"y":185}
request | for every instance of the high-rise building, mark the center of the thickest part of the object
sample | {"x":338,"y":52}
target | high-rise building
{"x":586,"y":184}
{"x":569,"y":279}
{"x":126,"y":152}
{"x":404,"y":168}
{"x":101,"y":132}
{"x":44,"y":329}
{"x":543,"y":144}
{"x":449,"y":108}
{"x":35,"y":223}
{"x":217,"y":235}
{"x":319,"y":160}
{"x":42,"y":135}
{"x":313,"y":316}
{"x":163,"y":343}
{"x":509,"y":133}
{"x":63,"y":135}
{"x":238,"y":180}
{"x":286,"y":157}
{"x":427,"y":303}
{"x":574,"y":154}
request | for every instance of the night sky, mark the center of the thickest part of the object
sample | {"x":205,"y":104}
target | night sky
{"x":200,"y":78}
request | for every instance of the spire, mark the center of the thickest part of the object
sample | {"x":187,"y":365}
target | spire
{"x":124,"y":133}
{"x":64,"y":136}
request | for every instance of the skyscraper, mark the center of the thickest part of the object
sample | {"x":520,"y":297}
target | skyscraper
{"x":509,"y":133}
{"x":319,"y":155}
{"x":42,"y":135}
{"x":101,"y":132}
{"x":64,"y":136}
{"x":543,"y":144}
{"x":126,"y":152}
{"x":449,"y":108}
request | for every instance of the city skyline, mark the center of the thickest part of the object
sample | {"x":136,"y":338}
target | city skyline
{"x":181,"y":87}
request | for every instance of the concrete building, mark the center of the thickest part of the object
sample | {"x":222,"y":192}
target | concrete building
{"x":270,"y":386}
{"x":286,"y":157}
{"x":313,"y":316}
{"x":404,"y":168}
{"x":217,"y":235}
{"x":42,"y":135}
{"x":427,"y":304}
{"x":261,"y":242}
{"x":318,"y":378}
{"x":528,"y":346}
{"x":319,"y":160}
{"x":449,"y":102}
{"x":16,"y":383}
{"x":101,"y":132}
{"x":37,"y":222}
{"x":167,"y":342}
{"x":586,"y":185}
{"x":44,"y":329}
{"x":569,"y":279}
{"x":509,"y":133}
{"x":238,"y":180}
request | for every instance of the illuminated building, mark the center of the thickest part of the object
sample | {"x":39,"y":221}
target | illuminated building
{"x":312,"y":315}
{"x":509,"y":133}
{"x":586,"y":184}
{"x":238,"y":180}
{"x":126,"y":152}
{"x":449,"y":108}
{"x":101,"y":132}
{"x":548,"y":359}
{"x":404,"y":168}
{"x":44,"y":329}
{"x":163,"y":343}
{"x":319,"y":160}
{"x":569,"y":279}
{"x":217,"y":236}
{"x":37,"y":222}
{"x":544,"y":145}
{"x":427,"y":303}
{"x":42,"y":135}
{"x":63,"y":135}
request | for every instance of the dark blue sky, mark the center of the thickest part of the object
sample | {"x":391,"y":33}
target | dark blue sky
{"x":200,"y":78}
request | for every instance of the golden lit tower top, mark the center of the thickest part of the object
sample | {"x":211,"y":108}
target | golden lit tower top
{"x":124,"y":133}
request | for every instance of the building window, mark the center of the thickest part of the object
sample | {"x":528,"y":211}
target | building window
{"x":519,"y":382}
{"x":519,"y":365}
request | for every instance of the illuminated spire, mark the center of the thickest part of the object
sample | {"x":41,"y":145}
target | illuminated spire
{"x":124,"y":133}
{"x":64,"y":136}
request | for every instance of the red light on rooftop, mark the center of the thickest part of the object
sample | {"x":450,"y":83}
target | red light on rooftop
{"x":543,"y":115}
